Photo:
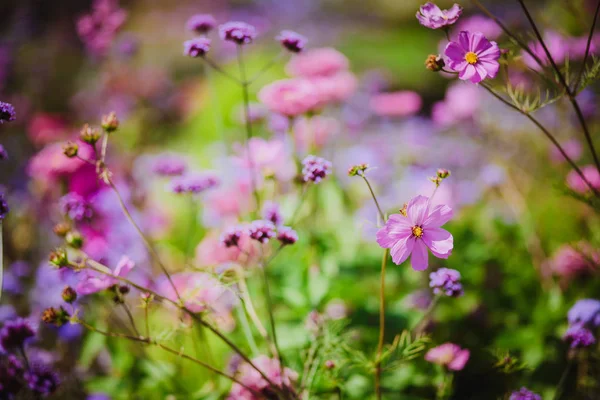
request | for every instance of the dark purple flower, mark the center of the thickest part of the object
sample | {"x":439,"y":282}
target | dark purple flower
{"x":585,"y":312}
{"x":232,"y":236}
{"x":15,"y":333}
{"x":315,"y":168}
{"x":42,"y":380}
{"x":7,"y":112}
{"x":473,"y":56}
{"x":431,"y":16}
{"x":292,"y":41}
{"x":287,"y":235}
{"x":76,"y":207}
{"x":578,"y":336}
{"x":271,"y":212}
{"x":201,"y":23}
{"x":3,"y":153}
{"x":195,"y":184}
{"x":197,"y":47}
{"x":261,"y":230}
{"x":238,"y":32}
{"x":524,"y":394}
{"x":446,"y":281}
{"x":169,"y":165}
{"x":4,"y":209}
{"x":98,"y":29}
{"x":11,"y":372}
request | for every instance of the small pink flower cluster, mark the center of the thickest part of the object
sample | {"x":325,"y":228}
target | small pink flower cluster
{"x":99,"y":28}
{"x":283,"y":378}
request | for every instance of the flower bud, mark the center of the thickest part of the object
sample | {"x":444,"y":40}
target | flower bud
{"x":55,"y":316}
{"x":74,"y":239}
{"x":70,"y":149}
{"x":61,"y":229}
{"x":110,"y":123}
{"x":89,"y":135}
{"x":358,"y":170}
{"x":443,"y":173}
{"x":69,"y":295}
{"x":434,"y":63}
{"x":123,"y":289}
{"x":330,"y":364}
{"x":59,"y":258}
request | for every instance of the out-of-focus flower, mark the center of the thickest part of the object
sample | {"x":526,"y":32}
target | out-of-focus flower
{"x":290,"y":97}
{"x":14,"y":334}
{"x":195,"y":184}
{"x":336,"y":309}
{"x":473,"y":56}
{"x":576,"y":183}
{"x":44,"y":128}
{"x":4,"y":208}
{"x":313,"y":133}
{"x":431,"y":16}
{"x":213,"y":251}
{"x":197,"y":47}
{"x":419,"y":299}
{"x":524,"y":394}
{"x":569,"y":261}
{"x":287,"y":235}
{"x":169,"y":165}
{"x":268,"y":158}
{"x":292,"y":41}
{"x":334,"y":88}
{"x":416,"y":231}
{"x":98,"y":28}
{"x":238,"y":32}
{"x":585,"y":312}
{"x":315,"y":169}
{"x":449,"y":355}
{"x":318,"y":62}
{"x":251,"y":378}
{"x":578,"y":337}
{"x":573,"y":149}
{"x":41,"y":380}
{"x":201,"y":23}
{"x":261,"y":230}
{"x":256,"y":113}
{"x":95,"y":282}
{"x":271,"y":212}
{"x":479,"y":23}
{"x":460,"y":103}
{"x":556,"y":44}
{"x":7,"y":112}
{"x":446,"y":281}
{"x":76,"y":207}
{"x":396,"y":104}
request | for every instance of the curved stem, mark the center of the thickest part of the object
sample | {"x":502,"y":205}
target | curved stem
{"x":214,"y":66}
{"x":130,"y":317}
{"x":268,"y":66}
{"x":418,"y":329}
{"x":381,"y":325}
{"x":381,"y":214}
{"x":587,"y":49}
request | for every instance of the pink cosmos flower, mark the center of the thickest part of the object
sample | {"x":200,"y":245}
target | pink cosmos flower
{"x":416,"y":230}
{"x":396,"y":104}
{"x":448,"y":355}
{"x":95,"y":282}
{"x":573,"y":149}
{"x":577,"y":184}
{"x":254,"y":380}
{"x":324,"y":61}
{"x":473,"y":56}
{"x":431,"y":16}
{"x":315,"y":132}
{"x":290,"y":97}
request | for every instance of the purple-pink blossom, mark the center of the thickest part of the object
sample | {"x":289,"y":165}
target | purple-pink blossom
{"x":195,"y":184}
{"x":448,"y":355}
{"x":446,"y":281}
{"x":7,"y":112}
{"x":261,"y":230}
{"x":251,"y":378}
{"x":287,"y":235}
{"x":292,"y":41}
{"x":290,"y":97}
{"x":431,"y":16}
{"x":410,"y":235}
{"x":578,"y":336}
{"x":396,"y":104}
{"x":201,"y":23}
{"x":315,"y":169}
{"x":473,"y":56}
{"x":524,"y":394}
{"x":197,"y":47}
{"x":324,"y":61}
{"x":93,"y":282}
{"x":237,"y":32}
{"x":576,"y":183}
{"x":271,"y":212}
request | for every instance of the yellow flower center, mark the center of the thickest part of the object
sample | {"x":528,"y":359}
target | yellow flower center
{"x":417,"y":231}
{"x":471,"y":57}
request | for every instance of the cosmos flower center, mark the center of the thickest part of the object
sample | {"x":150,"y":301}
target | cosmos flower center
{"x":417,"y":231}
{"x":471,"y":57}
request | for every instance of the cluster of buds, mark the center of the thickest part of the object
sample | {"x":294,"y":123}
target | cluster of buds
{"x":59,"y":258}
{"x":89,"y":135}
{"x":440,"y":176}
{"x":110,"y":123}
{"x":358,"y":170}
{"x":70,"y":149}
{"x":434,"y":63}
{"x":57,"y":317}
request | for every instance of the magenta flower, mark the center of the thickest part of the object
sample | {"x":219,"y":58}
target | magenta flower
{"x":431,"y":16}
{"x":577,"y":184}
{"x":290,"y":97}
{"x":201,"y":23}
{"x":292,"y":41}
{"x":416,"y":230}
{"x":448,"y":355}
{"x":197,"y":47}
{"x":238,"y":32}
{"x":473,"y":56}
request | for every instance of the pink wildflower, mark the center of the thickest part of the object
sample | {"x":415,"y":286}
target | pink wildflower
{"x":396,"y":104}
{"x":448,"y":355}
{"x":576,"y":183}
{"x":318,"y":62}
{"x":96,"y":282}
{"x":254,"y":380}
{"x":290,"y":97}
{"x":473,"y":56}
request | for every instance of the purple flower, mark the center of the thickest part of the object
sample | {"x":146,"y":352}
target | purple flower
{"x":201,"y":23}
{"x":238,"y":32}
{"x":232,"y":236}
{"x":473,"y":56}
{"x":169,"y":165}
{"x":416,"y":230}
{"x":431,"y":16}
{"x":10,"y":373}
{"x":261,"y":230}
{"x":41,"y":380}
{"x":7,"y":112}
{"x":195,"y":184}
{"x":15,"y":333}
{"x":197,"y":47}
{"x":4,"y":209}
{"x":315,"y":168}
{"x":524,"y":394}
{"x":76,"y":207}
{"x":578,"y":336}
{"x":292,"y":41}
{"x":446,"y":281}
{"x":3,"y":153}
{"x":287,"y":235}
{"x":270,"y":212}
{"x":585,"y":312}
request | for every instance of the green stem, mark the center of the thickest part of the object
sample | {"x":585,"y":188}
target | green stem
{"x":587,"y":49}
{"x":381,"y":214}
{"x":418,"y":329}
{"x":378,"y":368}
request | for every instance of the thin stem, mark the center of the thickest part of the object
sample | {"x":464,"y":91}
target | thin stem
{"x":104,"y":147}
{"x":548,"y":135}
{"x":147,"y":323}
{"x":381,"y":325}
{"x":565,"y":85}
{"x":268,"y":66}
{"x":130,"y":317}
{"x":381,"y":214}
{"x":249,"y":306}
{"x":563,"y":380}
{"x":587,"y":49}
{"x":299,"y":205}
{"x":24,"y":355}
{"x":246,"y":328}
{"x":418,"y":329}
{"x":214,"y":66}
{"x":269,"y":300}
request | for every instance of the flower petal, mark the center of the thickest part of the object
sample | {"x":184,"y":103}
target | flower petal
{"x":438,"y":216}
{"x":402,"y":250}
{"x":455,"y":52}
{"x":439,"y":241}
{"x":419,"y":258}
{"x":417,"y":209}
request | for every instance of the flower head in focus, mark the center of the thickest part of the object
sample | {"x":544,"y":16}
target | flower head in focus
{"x":473,"y":56}
{"x":448,"y":355}
{"x":315,"y":169}
{"x":197,"y":47}
{"x":431,"y":16}
{"x":238,"y":32}
{"x":261,"y":230}
{"x":446,"y":282}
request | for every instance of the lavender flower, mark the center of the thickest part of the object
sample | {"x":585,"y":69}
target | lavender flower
{"x":201,"y":23}
{"x":315,"y":168}
{"x":261,"y":230}
{"x":3,"y":153}
{"x":237,"y":32}
{"x":585,"y":312}
{"x":4,"y":209}
{"x":7,"y":112}
{"x":287,"y":235}
{"x":169,"y":165}
{"x":473,"y":56}
{"x":15,"y":333}
{"x":195,"y":184}
{"x":42,"y":380}
{"x":232,"y":236}
{"x":292,"y":41}
{"x":271,"y":212}
{"x":76,"y":207}
{"x":197,"y":47}
{"x":578,"y":336}
{"x":446,"y":281}
{"x":524,"y":394}
{"x":431,"y":16}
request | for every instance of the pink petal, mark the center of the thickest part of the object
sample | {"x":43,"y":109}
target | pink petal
{"x":384,"y":239}
{"x":439,"y":241}
{"x":460,"y":360}
{"x":124,"y":267}
{"x":419,"y":258}
{"x":402,"y":250}
{"x":464,"y":40}
{"x":478,"y":43}
{"x":467,"y":73}
{"x":438,"y":216}
{"x":491,"y":68}
{"x":399,"y":220}
{"x":417,"y":209}
{"x":492,"y":52}
{"x":455,"y":52}
{"x":480,"y":73}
